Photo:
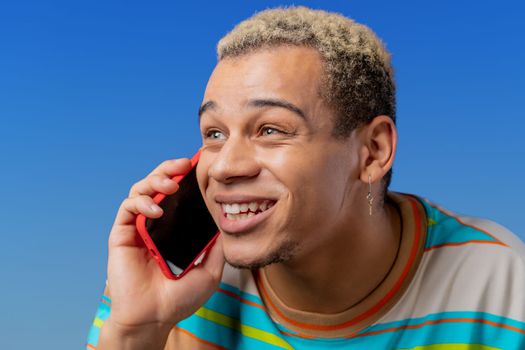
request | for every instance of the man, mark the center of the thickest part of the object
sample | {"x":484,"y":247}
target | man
{"x":298,"y":118}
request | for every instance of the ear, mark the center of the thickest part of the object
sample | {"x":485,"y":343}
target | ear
{"x":378,"y":148}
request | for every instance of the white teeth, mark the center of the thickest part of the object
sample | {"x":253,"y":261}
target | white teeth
{"x":253,"y":206}
{"x":240,"y":211}
{"x":231,"y":208}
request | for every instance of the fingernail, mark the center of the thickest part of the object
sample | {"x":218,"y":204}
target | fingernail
{"x":166,"y":182}
{"x":155,"y":208}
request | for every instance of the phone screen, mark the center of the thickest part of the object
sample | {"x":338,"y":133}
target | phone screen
{"x":186,"y":226}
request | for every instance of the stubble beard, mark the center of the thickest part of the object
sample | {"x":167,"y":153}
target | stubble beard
{"x":285,"y":252}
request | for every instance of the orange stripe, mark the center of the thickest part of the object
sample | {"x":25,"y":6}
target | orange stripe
{"x":235,"y":296}
{"x":469,"y":225}
{"x":297,"y":335}
{"x":447,"y":320}
{"x":213,"y":345}
{"x":463,"y":243}
{"x":89,"y":346}
{"x":373,"y":310}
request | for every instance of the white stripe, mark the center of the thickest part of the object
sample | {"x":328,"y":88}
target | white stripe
{"x":474,"y":277}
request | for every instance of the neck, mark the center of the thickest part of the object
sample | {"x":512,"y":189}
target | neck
{"x":343,"y":272}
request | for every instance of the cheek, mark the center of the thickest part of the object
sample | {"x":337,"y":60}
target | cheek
{"x":202,"y":174}
{"x":318,"y":189}
{"x":204,"y":183}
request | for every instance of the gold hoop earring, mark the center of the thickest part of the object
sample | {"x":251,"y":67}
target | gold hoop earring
{"x":369,"y":196}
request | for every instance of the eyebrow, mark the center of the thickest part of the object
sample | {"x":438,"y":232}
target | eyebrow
{"x":206,"y":106}
{"x":259,"y":103}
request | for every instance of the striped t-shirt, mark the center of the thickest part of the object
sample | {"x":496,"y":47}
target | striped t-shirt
{"x":457,"y":283}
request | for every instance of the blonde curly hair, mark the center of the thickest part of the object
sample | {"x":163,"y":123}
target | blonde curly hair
{"x":358,"y":80}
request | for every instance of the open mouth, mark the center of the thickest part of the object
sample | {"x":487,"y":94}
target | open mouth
{"x":245,"y":210}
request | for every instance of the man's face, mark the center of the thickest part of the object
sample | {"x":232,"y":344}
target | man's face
{"x":274,"y":178}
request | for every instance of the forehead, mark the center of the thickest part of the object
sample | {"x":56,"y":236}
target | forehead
{"x":285,"y":72}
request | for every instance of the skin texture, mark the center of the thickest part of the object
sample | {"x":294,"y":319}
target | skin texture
{"x":267,"y":135}
{"x":320,"y":219}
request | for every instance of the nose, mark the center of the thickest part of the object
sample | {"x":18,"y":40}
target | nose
{"x":235,"y":161}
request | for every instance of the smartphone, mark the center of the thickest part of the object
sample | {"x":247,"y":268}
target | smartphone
{"x":180,"y":239}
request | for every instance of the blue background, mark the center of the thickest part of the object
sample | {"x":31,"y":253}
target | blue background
{"x":95,"y":94}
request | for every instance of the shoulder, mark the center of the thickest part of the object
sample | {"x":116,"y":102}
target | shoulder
{"x":449,"y":229}
{"x":471,"y":264}
{"x":469,"y":285}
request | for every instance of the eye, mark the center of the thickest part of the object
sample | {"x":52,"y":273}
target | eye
{"x":268,"y":130}
{"x":215,"y":135}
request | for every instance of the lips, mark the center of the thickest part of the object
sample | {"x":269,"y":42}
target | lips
{"x":240,"y":215}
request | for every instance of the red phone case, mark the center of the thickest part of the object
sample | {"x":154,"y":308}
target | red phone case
{"x":154,"y":252}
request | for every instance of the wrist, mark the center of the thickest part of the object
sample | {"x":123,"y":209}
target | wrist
{"x":116,"y":336}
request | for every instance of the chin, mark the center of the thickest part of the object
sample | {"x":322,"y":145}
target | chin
{"x":242,"y":259}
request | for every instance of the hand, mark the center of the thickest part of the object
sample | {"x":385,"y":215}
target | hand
{"x":142,"y":297}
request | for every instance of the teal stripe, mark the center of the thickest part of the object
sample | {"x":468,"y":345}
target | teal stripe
{"x":232,"y":339}
{"x":222,"y":336}
{"x":247,"y":314}
{"x":449,"y":332}
{"x":446,"y":315}
{"x":444,"y":333}
{"x":102,"y":313}
{"x":331,"y":343}
{"x":93,"y":335}
{"x":446,"y":229}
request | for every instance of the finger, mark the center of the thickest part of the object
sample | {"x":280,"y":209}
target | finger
{"x":124,"y":232}
{"x":155,"y":183}
{"x":131,"y":207}
{"x":173,"y":167}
